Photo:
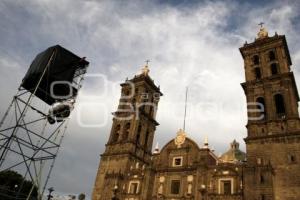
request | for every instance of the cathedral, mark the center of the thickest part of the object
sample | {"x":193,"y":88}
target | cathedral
{"x":181,"y":169}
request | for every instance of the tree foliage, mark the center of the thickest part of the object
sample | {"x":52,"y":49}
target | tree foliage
{"x":13,"y":186}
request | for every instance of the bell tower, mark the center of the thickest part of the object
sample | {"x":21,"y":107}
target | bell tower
{"x":125,"y":166}
{"x":273,"y":139}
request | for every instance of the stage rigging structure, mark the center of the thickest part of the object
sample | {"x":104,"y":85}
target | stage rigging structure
{"x":33,"y":127}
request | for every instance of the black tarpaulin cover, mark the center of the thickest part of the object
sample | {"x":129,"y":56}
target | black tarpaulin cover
{"x":61,"y":68}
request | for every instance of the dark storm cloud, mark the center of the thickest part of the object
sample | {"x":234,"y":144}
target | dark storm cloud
{"x":191,"y":44}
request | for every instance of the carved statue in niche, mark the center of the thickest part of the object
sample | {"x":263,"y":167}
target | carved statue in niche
{"x":190,"y":180}
{"x":160,"y":188}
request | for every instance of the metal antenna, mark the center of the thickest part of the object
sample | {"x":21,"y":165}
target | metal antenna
{"x":186,"y":95}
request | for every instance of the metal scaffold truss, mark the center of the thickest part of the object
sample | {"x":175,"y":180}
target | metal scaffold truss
{"x":32,"y":128}
{"x":29,"y":144}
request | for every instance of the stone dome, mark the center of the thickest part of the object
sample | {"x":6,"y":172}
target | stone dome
{"x":234,"y":154}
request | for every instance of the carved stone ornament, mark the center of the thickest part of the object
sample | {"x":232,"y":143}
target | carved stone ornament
{"x":180,"y":138}
{"x":190,"y":178}
{"x":161,"y":179}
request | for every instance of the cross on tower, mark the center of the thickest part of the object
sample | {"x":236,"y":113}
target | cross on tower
{"x":261,"y":24}
{"x":147,"y":62}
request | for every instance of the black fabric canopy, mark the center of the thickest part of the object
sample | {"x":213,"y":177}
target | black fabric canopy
{"x":62,"y":67}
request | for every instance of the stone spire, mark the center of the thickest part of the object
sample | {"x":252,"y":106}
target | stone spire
{"x":205,"y":142}
{"x":156,"y":150}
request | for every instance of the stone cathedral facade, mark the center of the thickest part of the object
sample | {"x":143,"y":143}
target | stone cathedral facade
{"x":269,"y":170}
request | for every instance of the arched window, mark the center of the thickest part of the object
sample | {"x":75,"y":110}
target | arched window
{"x":146,"y":139}
{"x":279,"y":104}
{"x":151,"y":111}
{"x":126,"y":131}
{"x":257,"y":73}
{"x":116,"y":133}
{"x":274,"y":69}
{"x":262,"y":178}
{"x":152,"y":107}
{"x":133,"y":103}
{"x":138,"y":134}
{"x":272,"y":55}
{"x":136,"y":91}
{"x":255,"y":60}
{"x":261,"y":106}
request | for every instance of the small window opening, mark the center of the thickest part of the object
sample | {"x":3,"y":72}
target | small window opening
{"x":279,"y":104}
{"x":177,"y":161}
{"x":291,"y":158}
{"x":261,"y":107}
{"x":255,"y":60}
{"x":262,"y":179}
{"x":257,"y":73}
{"x":272,"y":55}
{"x":274,"y":69}
{"x":138,"y":136}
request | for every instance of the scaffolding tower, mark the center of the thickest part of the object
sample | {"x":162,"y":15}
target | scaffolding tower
{"x":33,"y":126}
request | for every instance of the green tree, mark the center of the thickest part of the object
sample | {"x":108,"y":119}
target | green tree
{"x":13,"y":185}
{"x":81,"y":196}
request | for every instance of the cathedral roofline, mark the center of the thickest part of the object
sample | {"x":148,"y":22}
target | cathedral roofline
{"x":187,"y":138}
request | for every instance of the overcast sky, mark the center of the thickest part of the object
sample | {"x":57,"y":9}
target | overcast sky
{"x":189,"y":43}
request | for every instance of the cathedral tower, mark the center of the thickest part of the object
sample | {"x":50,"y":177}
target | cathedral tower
{"x":273,"y":139}
{"x":125,"y":167}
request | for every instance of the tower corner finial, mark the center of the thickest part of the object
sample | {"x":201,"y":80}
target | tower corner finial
{"x":156,"y":149}
{"x":205,"y":142}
